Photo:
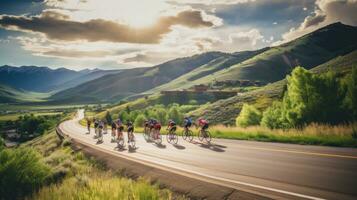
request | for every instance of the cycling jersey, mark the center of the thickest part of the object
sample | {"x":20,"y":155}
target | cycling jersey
{"x":203,"y":123}
{"x":114,"y":126}
{"x":187,"y":122}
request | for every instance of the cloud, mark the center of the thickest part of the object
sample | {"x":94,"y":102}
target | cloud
{"x":210,"y":2}
{"x":58,"y":26}
{"x":326,"y":12}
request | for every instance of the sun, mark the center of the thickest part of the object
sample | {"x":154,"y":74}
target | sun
{"x":135,"y":13}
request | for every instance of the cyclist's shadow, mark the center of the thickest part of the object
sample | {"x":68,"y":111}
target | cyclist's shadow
{"x":210,"y":146}
{"x":180,"y":147}
{"x":161,"y":146}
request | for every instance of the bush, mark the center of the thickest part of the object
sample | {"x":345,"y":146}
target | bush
{"x":2,"y":143}
{"x":273,"y":116}
{"x":139,"y":121}
{"x":351,"y":93}
{"x":175,"y":114}
{"x":108,"y":117}
{"x":248,"y":116}
{"x":21,"y":172}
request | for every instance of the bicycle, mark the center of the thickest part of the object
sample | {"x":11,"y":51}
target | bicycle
{"x":156,"y":136}
{"x":172,"y":137}
{"x":131,"y":139}
{"x":120,"y":142}
{"x":147,"y":133}
{"x":187,"y":134}
{"x":113,"y":135}
{"x":100,"y":135}
{"x":204,"y":135}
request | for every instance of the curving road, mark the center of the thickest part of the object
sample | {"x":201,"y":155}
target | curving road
{"x":282,"y":171}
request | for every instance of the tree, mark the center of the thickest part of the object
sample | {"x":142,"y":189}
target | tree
{"x":350,"y":100}
{"x":273,"y":116}
{"x":161,"y":115}
{"x":175,"y":114}
{"x":124,"y":116}
{"x":108,"y":117}
{"x":139,"y":121}
{"x":248,"y":116}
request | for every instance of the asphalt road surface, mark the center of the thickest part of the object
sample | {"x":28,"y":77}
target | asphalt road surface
{"x":283,"y":171}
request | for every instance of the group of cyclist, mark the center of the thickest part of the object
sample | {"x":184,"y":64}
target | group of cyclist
{"x":153,"y":125}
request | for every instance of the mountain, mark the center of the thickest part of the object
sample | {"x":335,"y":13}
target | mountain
{"x":265,"y":65}
{"x":12,"y":95}
{"x":225,"y":111}
{"x":275,"y":63}
{"x":44,"y":79}
{"x":133,"y":81}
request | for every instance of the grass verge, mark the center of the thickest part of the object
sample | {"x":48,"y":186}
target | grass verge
{"x":76,"y":177}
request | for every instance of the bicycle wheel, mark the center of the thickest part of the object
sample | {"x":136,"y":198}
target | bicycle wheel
{"x":175,"y":138}
{"x":208,"y":136}
{"x":120,"y":143}
{"x":146,"y":134}
{"x":184,"y":134}
{"x":169,"y":137}
{"x":190,"y":135}
{"x":132,"y":142}
{"x":200,"y":136}
{"x":158,"y":139}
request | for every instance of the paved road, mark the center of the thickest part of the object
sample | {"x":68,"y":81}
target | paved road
{"x":283,"y":171}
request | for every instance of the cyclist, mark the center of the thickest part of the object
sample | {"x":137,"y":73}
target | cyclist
{"x":157,"y":128}
{"x":96,"y":123}
{"x":203,"y":124}
{"x":114,"y":128}
{"x":120,"y":128}
{"x":171,"y":126}
{"x":187,"y":123}
{"x":130,"y":127}
{"x":88,"y":125}
{"x":100,"y":127}
{"x":105,"y":127}
{"x":146,"y":124}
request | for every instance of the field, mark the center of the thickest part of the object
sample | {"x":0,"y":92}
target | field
{"x":13,"y":117}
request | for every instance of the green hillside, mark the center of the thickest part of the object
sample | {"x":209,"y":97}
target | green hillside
{"x":266,"y":65}
{"x":133,"y":81}
{"x":206,"y":72}
{"x":225,"y":111}
{"x":11,"y":95}
{"x":308,"y":51}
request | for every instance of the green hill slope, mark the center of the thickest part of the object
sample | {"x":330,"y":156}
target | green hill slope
{"x":308,"y":51}
{"x":266,"y":65}
{"x":206,"y":72}
{"x":12,"y":95}
{"x":133,"y":81}
{"x":225,"y":111}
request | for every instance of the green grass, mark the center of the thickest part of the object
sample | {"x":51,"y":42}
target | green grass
{"x":326,"y":135}
{"x":13,"y":117}
{"x":34,"y":107}
{"x":102,"y":186}
{"x":75,"y":176}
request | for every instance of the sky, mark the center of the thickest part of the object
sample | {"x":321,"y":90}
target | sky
{"x":116,"y":34}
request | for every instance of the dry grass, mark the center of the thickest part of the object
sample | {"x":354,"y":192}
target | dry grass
{"x":317,"y":134}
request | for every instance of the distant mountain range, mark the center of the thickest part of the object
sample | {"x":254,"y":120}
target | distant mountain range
{"x":44,"y":79}
{"x":265,"y":65}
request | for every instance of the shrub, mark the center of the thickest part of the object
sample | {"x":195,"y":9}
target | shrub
{"x":273,"y":116}
{"x":139,"y":121}
{"x":108,"y":117}
{"x":2,"y":143}
{"x":21,"y":172}
{"x":175,"y":114}
{"x":248,"y":116}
